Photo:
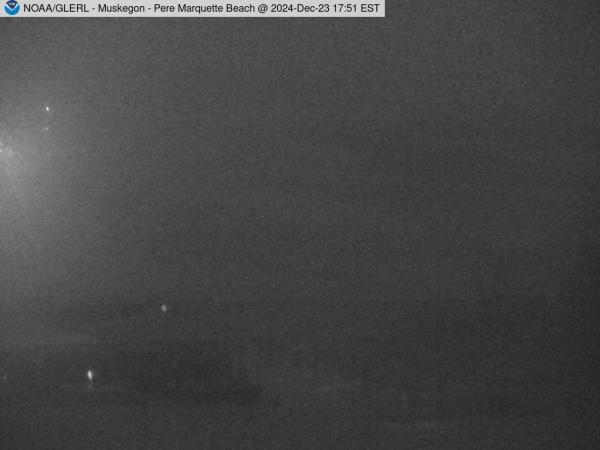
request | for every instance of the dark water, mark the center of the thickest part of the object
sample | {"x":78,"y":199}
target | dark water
{"x":343,"y":422}
{"x":298,"y":406}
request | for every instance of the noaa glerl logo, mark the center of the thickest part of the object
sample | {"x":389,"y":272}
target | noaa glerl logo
{"x":12,"y":7}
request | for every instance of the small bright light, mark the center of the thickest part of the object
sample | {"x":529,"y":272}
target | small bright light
{"x":90,"y":375}
{"x":163,"y":308}
{"x":47,"y":108}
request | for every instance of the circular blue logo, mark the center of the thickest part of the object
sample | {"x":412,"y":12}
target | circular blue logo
{"x":12,"y":7}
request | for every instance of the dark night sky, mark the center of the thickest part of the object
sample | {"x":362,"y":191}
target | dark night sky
{"x":335,"y":173}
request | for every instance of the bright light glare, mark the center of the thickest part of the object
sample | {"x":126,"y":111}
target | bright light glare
{"x":90,"y":375}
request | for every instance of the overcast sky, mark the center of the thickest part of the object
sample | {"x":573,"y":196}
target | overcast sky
{"x":294,"y":162}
